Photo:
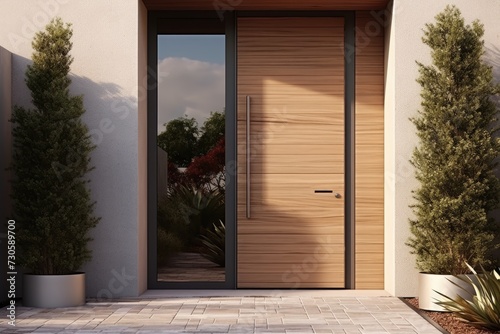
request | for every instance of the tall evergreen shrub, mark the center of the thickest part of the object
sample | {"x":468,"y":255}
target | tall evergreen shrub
{"x":455,"y":160}
{"x":51,"y":158}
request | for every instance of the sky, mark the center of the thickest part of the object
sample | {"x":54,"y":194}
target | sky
{"x":191,"y":72}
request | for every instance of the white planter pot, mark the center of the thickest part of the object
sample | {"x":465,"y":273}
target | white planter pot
{"x":428,"y":284}
{"x":51,"y":291}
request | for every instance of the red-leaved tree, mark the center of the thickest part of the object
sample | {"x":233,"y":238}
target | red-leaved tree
{"x":207,"y":171}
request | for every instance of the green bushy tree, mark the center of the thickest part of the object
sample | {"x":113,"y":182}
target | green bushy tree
{"x":183,"y":140}
{"x":51,"y":157}
{"x":212,"y":131}
{"x":180,"y":140}
{"x":455,"y":161}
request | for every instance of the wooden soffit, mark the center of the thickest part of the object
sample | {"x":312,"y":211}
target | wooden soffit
{"x":265,"y":4}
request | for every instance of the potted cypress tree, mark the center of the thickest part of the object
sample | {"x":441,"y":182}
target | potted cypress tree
{"x":51,"y":157}
{"x":455,"y":160}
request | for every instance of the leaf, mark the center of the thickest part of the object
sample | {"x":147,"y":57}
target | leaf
{"x":214,"y":244}
{"x":484,"y":309}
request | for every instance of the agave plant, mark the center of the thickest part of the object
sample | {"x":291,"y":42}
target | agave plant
{"x":188,"y":211}
{"x":213,"y":244}
{"x":483,"y":311}
{"x":201,"y":207}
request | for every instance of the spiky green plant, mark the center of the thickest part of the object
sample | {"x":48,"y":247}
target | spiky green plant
{"x":214,"y":244}
{"x":202,"y":208}
{"x":483,"y":310}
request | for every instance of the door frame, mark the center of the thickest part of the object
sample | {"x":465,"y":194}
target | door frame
{"x":163,"y":22}
{"x":158,"y":22}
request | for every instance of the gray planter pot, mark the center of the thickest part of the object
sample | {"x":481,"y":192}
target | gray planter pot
{"x":51,"y":291}
{"x":428,"y":284}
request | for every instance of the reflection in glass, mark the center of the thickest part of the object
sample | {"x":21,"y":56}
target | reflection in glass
{"x":191,"y":158}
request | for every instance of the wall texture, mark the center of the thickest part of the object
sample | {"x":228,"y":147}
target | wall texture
{"x":5,"y":158}
{"x":409,"y":18}
{"x":389,"y":152}
{"x":109,"y":70}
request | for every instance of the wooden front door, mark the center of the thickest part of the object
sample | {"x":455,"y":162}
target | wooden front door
{"x":290,"y":228}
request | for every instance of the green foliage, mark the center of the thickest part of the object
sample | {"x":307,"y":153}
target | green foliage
{"x":172,"y":217}
{"x":187,"y":211}
{"x":455,"y":160}
{"x":180,"y":140}
{"x":203,"y":208}
{"x":484,"y":309}
{"x":183,"y":141}
{"x":214,"y":244}
{"x":212,"y":131}
{"x":51,"y":157}
{"x":168,"y":244}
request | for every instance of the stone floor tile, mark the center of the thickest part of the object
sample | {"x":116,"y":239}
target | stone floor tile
{"x":205,"y":315}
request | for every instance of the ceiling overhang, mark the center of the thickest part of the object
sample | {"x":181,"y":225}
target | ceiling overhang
{"x":265,"y":4}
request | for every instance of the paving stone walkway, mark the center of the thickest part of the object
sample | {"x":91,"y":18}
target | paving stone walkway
{"x":287,"y":314}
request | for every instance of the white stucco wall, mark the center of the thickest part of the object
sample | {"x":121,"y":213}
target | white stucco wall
{"x":402,"y":102}
{"x":389,"y":153}
{"x":109,"y":69}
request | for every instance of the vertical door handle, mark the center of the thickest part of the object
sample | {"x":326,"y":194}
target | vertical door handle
{"x":248,"y":157}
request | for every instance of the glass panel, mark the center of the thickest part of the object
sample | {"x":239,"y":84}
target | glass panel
{"x":191,"y":158}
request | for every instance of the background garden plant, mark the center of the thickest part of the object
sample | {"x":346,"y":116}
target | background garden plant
{"x":214,"y":244}
{"x":191,"y":215}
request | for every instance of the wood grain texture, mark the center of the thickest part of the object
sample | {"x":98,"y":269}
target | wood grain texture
{"x":293,"y":69}
{"x":369,"y":168}
{"x":294,"y":163}
{"x":285,"y":149}
{"x":223,"y":6}
{"x":262,"y":249}
{"x":278,"y":194}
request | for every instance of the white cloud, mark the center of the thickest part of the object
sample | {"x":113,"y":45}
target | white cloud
{"x":189,"y":87}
